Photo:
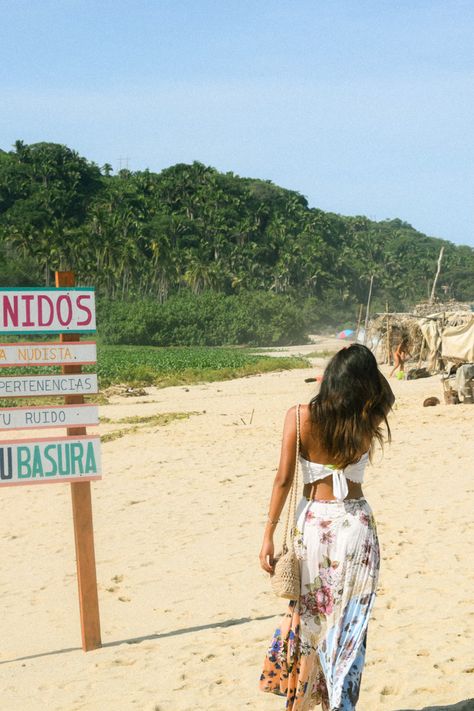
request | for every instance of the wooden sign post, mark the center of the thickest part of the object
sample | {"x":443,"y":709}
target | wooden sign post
{"x":69,"y":311}
{"x":82,"y":517}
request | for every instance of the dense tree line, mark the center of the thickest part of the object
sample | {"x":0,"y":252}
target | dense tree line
{"x":190,"y":229}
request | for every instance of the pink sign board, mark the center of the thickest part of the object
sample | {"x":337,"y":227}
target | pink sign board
{"x":33,"y":417}
{"x":33,"y":385}
{"x":40,"y":461}
{"x":48,"y":353}
{"x":47,"y":310}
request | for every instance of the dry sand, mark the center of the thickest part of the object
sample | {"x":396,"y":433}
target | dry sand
{"x":186,"y":611}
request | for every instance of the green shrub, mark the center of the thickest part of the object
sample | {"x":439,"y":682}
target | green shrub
{"x":209,"y":319}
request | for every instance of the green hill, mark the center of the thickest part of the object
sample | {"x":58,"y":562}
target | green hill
{"x":155,"y":238}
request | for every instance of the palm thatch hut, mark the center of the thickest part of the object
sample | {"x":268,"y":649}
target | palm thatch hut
{"x":386,"y":330}
{"x":442,"y":335}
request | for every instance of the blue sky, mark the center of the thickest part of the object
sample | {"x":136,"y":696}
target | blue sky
{"x":364,"y":106}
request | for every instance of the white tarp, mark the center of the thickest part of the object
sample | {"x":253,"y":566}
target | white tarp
{"x":457,"y":342}
{"x":451,"y":343}
{"x":430,"y":330}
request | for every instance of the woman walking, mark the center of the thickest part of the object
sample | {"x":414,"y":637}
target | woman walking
{"x":316,"y":655}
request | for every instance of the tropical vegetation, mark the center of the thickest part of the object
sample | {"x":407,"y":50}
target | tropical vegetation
{"x":194,"y":256}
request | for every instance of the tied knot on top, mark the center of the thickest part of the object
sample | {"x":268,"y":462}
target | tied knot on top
{"x":314,"y":471}
{"x":339,"y":483}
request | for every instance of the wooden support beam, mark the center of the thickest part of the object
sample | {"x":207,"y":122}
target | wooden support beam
{"x":359,"y":322}
{"x":368,"y":309}
{"x":82,"y":518}
{"x":438,"y":269}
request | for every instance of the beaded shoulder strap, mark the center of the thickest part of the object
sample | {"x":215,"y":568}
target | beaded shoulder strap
{"x":294,"y":484}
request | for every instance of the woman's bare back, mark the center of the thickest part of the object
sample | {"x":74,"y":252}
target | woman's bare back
{"x":311,"y":450}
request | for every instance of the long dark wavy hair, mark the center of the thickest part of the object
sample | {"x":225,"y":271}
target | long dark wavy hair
{"x":353,"y":401}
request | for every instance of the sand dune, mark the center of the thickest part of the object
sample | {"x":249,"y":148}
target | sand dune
{"x":186,"y":611}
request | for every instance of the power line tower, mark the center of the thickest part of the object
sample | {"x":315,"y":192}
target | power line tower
{"x":123,"y":163}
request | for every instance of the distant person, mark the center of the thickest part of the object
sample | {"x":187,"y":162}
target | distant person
{"x":400,"y":355}
{"x":317,"y":652}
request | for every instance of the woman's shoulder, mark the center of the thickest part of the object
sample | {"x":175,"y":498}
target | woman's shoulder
{"x":303,"y":408}
{"x":291,"y":413}
{"x":304,"y":416}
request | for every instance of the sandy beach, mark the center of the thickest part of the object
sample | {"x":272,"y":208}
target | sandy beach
{"x":186,"y":610}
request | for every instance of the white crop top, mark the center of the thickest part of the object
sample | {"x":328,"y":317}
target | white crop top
{"x":313,"y":471}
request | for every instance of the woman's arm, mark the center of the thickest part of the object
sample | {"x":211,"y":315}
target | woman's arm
{"x":281,"y":487}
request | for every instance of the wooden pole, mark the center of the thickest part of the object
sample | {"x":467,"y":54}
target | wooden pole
{"x":359,"y":321}
{"x":421,"y":351}
{"x":82,"y":517}
{"x":437,"y":275}
{"x":388,"y":335}
{"x":368,"y":309}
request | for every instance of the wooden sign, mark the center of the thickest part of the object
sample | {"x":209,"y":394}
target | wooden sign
{"x":18,"y":418}
{"x":69,"y":311}
{"x":48,"y":460}
{"x":47,"y":310}
{"x":33,"y":385}
{"x":50,"y":353}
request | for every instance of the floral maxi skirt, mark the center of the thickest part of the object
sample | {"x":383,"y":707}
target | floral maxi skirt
{"x":317,"y":652}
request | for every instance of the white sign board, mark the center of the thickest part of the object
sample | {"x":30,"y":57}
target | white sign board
{"x":18,"y":418}
{"x":33,"y":385}
{"x":47,"y":460}
{"x":47,"y":310}
{"x":67,"y":353}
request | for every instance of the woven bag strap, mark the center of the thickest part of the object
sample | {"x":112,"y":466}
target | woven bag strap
{"x":294,"y":484}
